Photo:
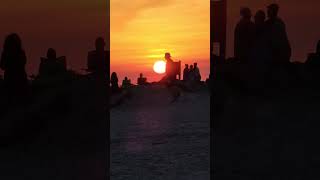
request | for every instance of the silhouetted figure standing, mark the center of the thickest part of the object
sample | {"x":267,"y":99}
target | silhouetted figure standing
{"x":260,"y":23}
{"x":191,"y":74}
{"x":243,"y":36}
{"x":52,"y":66}
{"x":97,"y":59}
{"x":114,"y":83}
{"x":260,"y":56}
{"x":186,"y":72}
{"x":169,"y":67}
{"x":13,"y":61}
{"x":196,"y":71}
{"x":280,"y":46}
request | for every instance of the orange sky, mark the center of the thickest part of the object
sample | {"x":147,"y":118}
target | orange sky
{"x":143,"y":30}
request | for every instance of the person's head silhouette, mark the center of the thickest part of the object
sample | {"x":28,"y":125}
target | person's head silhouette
{"x":12,"y":43}
{"x":318,"y":47}
{"x":273,"y":10}
{"x":167,"y":56}
{"x":191,"y":67}
{"x":245,"y":13}
{"x":141,"y":75}
{"x":186,"y":66}
{"x":51,"y":53}
{"x":126,"y":78}
{"x":260,"y":17}
{"x":100,"y":44}
{"x":195,"y":65}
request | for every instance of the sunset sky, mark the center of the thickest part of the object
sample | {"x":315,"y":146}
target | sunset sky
{"x":143,"y":30}
{"x":69,"y":26}
{"x":301,"y":18}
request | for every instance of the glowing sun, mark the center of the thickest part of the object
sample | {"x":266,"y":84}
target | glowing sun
{"x":159,"y":67}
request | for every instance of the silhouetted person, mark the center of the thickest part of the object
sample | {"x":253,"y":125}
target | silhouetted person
{"x":186,"y":72}
{"x":52,"y":66}
{"x":142,"y":80}
{"x":126,"y":83}
{"x":97,"y":59}
{"x":196,"y":70}
{"x":169,"y":67}
{"x":280,"y":46}
{"x":114,"y":83}
{"x":260,"y":57}
{"x":243,"y":36}
{"x":260,"y":22}
{"x":192,"y":76}
{"x":13,"y":61}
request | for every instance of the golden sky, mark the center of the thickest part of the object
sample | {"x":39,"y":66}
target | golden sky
{"x":143,"y":30}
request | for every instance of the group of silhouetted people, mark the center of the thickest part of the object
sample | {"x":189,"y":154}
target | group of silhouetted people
{"x":13,"y":62}
{"x":264,"y":39}
{"x":191,"y":73}
{"x":126,"y":82}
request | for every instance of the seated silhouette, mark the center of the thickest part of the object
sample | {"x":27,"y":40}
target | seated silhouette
{"x":126,"y":83}
{"x":313,"y":61}
{"x":52,"y":65}
{"x":97,"y":61}
{"x":142,"y":80}
{"x":186,"y":72}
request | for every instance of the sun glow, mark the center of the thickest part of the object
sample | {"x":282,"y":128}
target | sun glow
{"x":159,"y":67}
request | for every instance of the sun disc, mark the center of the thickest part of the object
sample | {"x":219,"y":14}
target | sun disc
{"x":159,"y":67}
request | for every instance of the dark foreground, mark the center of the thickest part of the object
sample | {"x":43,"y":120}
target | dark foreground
{"x":61,"y":134}
{"x":272,"y":134}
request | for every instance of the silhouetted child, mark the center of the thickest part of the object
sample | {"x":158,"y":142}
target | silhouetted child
{"x":52,"y":66}
{"x":243,"y":36}
{"x":280,"y":46}
{"x":142,"y":80}
{"x":13,"y":61}
{"x":114,"y":83}
{"x":126,"y":83}
{"x":97,"y":59}
{"x":186,"y":72}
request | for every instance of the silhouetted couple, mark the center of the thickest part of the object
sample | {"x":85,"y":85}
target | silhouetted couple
{"x":262,"y":37}
{"x":192,"y":73}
